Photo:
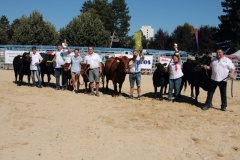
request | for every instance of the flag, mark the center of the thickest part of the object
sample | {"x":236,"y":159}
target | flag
{"x":138,"y":39}
{"x":196,"y":35}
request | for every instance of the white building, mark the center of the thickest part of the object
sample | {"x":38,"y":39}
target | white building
{"x":148,"y":32}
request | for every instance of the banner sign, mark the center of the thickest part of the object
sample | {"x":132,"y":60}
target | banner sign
{"x":9,"y":55}
{"x":138,"y":39}
{"x":146,"y":64}
{"x":163,"y":60}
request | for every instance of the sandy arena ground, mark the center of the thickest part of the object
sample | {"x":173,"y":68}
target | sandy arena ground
{"x":46,"y":124}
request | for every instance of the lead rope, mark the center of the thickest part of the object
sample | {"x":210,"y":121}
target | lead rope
{"x":232,"y":88}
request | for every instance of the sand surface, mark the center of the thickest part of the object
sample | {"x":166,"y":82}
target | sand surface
{"x":50,"y":125}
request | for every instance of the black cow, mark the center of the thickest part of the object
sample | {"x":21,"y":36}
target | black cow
{"x":160,"y":79}
{"x":196,"y":75}
{"x":47,"y":67}
{"x":21,"y":65}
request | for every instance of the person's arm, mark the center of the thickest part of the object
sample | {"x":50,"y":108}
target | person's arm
{"x":232,"y":72}
{"x":142,"y":56}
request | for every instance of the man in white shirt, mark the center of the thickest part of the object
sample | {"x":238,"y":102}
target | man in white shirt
{"x":220,"y":67}
{"x":36,"y":59}
{"x":94,"y":60}
{"x":60,"y":55}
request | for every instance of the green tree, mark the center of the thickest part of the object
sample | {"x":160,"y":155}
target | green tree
{"x":121,"y":18}
{"x":207,"y":38}
{"x":103,"y":9}
{"x":229,"y":28}
{"x":33,"y":30}
{"x":4,"y":27}
{"x":85,"y":30}
{"x":185,"y":38}
{"x":161,"y":40}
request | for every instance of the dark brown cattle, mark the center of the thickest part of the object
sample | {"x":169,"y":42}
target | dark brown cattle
{"x":116,"y":70}
{"x":21,"y":65}
{"x":67,"y":75}
{"x":196,"y":75}
{"x":85,"y":74}
{"x":47,"y":67}
{"x":160,"y":79}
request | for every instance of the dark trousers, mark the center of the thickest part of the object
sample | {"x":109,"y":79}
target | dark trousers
{"x":223,"y":89}
{"x":57,"y":73}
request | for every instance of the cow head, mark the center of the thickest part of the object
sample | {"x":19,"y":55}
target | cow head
{"x":84,"y":68}
{"x":26,"y":56}
{"x":49,"y":62}
{"x":125,"y":62}
{"x":160,"y":67}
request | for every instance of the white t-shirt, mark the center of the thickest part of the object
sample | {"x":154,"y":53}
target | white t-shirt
{"x":59,"y":60}
{"x":135,"y":66}
{"x":93,"y":60}
{"x":220,"y":69}
{"x":35,"y":59}
{"x":175,"y":72}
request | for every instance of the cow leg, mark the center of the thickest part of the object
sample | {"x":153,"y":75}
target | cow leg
{"x":192,"y":94}
{"x":42,"y":76}
{"x":16,"y":75}
{"x":155,"y":91}
{"x":161,"y":92}
{"x":28,"y":80}
{"x":103,"y":81}
{"x":120,"y":89}
{"x":49,"y":78}
{"x":165,"y":89}
{"x":107,"y":80}
{"x":115,"y":89}
{"x":197,"y":93}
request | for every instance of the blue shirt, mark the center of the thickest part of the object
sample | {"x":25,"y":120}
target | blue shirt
{"x":76,"y":64}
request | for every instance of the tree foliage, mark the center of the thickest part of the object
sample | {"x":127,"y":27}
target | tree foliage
{"x":121,"y":18}
{"x":114,"y":15}
{"x":85,"y":30}
{"x":33,"y":30}
{"x":161,"y":40}
{"x":184,"y":37}
{"x":4,"y":25}
{"x":207,"y":38}
{"x":229,"y":29}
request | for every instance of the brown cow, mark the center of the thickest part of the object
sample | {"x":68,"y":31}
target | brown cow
{"x":85,"y":74}
{"x":116,"y":70}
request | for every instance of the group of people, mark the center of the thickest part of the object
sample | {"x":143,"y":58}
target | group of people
{"x":220,"y":66}
{"x":93,"y":59}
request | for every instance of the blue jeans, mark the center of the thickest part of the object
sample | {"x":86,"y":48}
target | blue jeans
{"x":212,"y":87}
{"x":135,"y":77}
{"x":57,"y":73}
{"x":174,"y":84}
{"x":38,"y":77}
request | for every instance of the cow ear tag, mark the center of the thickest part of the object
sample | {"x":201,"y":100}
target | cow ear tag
{"x":131,"y":61}
{"x":118,"y":61}
{"x":20,"y":57}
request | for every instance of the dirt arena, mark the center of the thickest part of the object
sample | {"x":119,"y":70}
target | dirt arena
{"x":51,"y":125}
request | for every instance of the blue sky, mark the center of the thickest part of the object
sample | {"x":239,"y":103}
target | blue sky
{"x":164,"y":14}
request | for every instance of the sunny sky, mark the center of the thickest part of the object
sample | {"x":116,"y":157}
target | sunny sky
{"x":164,"y":14}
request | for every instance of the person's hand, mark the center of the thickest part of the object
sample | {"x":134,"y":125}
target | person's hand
{"x":205,"y":67}
{"x":231,"y":76}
